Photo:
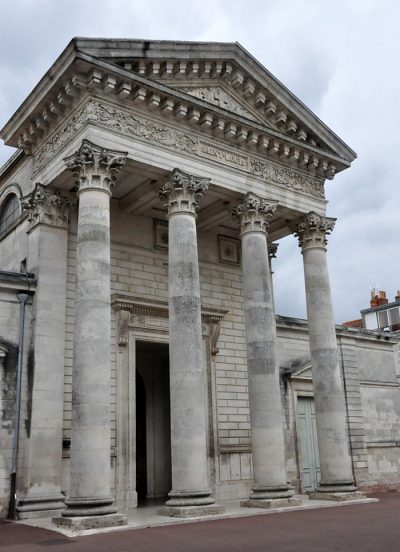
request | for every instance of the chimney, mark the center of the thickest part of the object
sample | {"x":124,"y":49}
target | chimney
{"x":382,"y":298}
{"x":374,"y":302}
{"x":397,"y":297}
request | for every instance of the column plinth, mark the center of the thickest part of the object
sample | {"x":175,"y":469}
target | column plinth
{"x":89,"y":494}
{"x":270,"y":488}
{"x":337,"y":481}
{"x":190,"y":495}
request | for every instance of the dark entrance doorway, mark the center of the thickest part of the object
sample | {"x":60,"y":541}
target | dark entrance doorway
{"x":153,"y":430}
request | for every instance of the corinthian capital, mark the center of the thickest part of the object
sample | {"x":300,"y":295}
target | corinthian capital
{"x":46,"y":206}
{"x":253,"y":213}
{"x":95,"y":167}
{"x":181,"y":191}
{"x":313,"y":230}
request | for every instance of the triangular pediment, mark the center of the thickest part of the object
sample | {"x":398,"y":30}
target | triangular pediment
{"x":217,"y":88}
{"x":251,"y":88}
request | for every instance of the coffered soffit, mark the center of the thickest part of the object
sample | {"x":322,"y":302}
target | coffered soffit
{"x":218,"y":89}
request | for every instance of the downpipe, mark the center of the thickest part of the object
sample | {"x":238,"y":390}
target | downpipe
{"x":12,"y":509}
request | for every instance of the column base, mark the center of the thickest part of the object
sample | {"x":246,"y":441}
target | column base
{"x":30,"y":507}
{"x":271,"y":497}
{"x":82,"y":523}
{"x":259,"y":492}
{"x":88,"y":507}
{"x":271,"y":503}
{"x":186,"y":504}
{"x":340,"y":492}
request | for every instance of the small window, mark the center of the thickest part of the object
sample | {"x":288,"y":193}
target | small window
{"x":383,"y":319}
{"x":9,"y":213}
{"x":394,"y":316}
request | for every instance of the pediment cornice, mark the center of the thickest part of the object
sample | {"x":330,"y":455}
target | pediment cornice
{"x":100,"y":77}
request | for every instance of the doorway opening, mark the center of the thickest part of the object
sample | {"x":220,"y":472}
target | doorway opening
{"x":153,"y":426}
{"x":308,"y":444}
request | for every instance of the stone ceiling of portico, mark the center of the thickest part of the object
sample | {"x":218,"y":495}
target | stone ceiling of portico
{"x":136,"y":193}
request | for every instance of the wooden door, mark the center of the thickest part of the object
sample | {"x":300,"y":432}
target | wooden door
{"x":308,"y":445}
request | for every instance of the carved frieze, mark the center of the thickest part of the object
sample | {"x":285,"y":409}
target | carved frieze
{"x":46,"y":206}
{"x":127,"y":123}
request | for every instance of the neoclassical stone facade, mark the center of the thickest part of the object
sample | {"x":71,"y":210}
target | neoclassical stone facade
{"x":142,"y":210}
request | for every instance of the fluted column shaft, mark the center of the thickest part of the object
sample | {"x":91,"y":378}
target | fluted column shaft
{"x":330,"y":407}
{"x":187,"y":374}
{"x":266,"y":417}
{"x":89,"y":492}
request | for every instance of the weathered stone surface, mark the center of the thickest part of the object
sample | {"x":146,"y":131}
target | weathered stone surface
{"x":271,"y":504}
{"x":89,"y":492}
{"x":268,"y":445}
{"x":91,"y":522}
{"x":330,"y":407}
{"x":191,"y":511}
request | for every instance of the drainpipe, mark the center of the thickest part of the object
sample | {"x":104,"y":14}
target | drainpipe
{"x":12,"y":510}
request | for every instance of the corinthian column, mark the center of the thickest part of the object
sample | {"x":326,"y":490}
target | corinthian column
{"x":337,"y":482}
{"x":190,"y":494}
{"x":270,"y":488}
{"x":89,"y":494}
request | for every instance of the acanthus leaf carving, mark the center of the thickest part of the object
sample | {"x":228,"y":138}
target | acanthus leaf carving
{"x":46,"y":206}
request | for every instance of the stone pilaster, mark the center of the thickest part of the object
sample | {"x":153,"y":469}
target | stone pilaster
{"x":337,"y":482}
{"x":190,"y":494}
{"x":270,"y":488}
{"x":90,"y":503}
{"x":47,"y":259}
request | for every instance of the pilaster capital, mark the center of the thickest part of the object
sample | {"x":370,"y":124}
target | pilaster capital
{"x":46,"y":206}
{"x":180,"y":192}
{"x":253,"y":213}
{"x":313,"y":230}
{"x":95,"y":167}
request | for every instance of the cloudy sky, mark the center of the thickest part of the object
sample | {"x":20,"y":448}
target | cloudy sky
{"x":340,"y":57}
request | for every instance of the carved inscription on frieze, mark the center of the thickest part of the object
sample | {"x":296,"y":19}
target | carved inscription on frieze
{"x":223,"y":155}
{"x":122,"y":121}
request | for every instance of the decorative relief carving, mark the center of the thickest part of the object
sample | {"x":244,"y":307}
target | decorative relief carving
{"x":181,"y":191}
{"x":152,"y":316}
{"x":217,"y":96}
{"x":253,"y":213}
{"x":121,"y":121}
{"x":123,"y":327}
{"x":286,"y":178}
{"x":46,"y":206}
{"x":313,"y":230}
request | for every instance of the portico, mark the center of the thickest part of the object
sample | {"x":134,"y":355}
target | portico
{"x":206,"y":132}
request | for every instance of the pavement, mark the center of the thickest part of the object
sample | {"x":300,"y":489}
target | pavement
{"x":368,"y":527}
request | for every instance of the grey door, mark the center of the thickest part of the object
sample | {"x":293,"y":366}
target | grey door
{"x":307,"y":441}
